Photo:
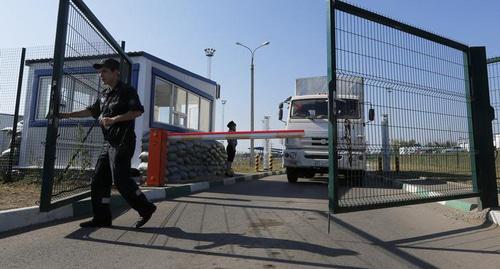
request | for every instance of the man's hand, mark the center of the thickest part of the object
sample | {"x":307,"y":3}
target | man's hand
{"x":106,"y":121}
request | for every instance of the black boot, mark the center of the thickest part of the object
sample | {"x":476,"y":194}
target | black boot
{"x":145,"y":216}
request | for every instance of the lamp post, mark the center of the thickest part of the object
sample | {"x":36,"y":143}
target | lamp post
{"x":223,"y":102}
{"x":252,"y":52}
{"x":209,"y":52}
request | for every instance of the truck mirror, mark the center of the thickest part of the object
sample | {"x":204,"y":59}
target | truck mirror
{"x":280,"y":114}
{"x":371,"y":114}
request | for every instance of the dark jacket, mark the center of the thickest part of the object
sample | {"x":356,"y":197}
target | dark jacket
{"x":111,"y":103}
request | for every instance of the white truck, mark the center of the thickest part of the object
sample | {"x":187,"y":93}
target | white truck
{"x":308,"y":111}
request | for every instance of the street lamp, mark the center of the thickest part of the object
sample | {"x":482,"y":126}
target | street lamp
{"x":209,"y":52}
{"x":223,"y":102}
{"x":251,"y":95}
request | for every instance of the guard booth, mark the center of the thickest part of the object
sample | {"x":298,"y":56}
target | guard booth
{"x":174,"y":98}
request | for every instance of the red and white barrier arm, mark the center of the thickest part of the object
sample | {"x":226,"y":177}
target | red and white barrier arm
{"x":237,"y":135}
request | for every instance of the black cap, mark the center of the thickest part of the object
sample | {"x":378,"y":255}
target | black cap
{"x":231,"y":123}
{"x":108,"y":63}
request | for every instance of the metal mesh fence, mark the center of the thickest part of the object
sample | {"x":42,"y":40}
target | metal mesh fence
{"x":24,"y":161}
{"x":417,"y":145}
{"x":10,"y":63}
{"x":494,"y":84}
{"x":78,"y":142}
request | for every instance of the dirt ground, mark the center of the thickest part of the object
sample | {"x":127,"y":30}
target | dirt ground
{"x":19,"y":194}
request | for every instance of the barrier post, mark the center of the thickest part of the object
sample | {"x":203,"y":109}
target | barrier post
{"x":257,"y":159}
{"x":270,"y":162}
{"x":157,"y":157}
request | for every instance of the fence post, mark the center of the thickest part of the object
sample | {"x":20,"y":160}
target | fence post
{"x":157,"y":157}
{"x":55,"y":93}
{"x":13,"y":140}
{"x":386,"y":151}
{"x":481,"y":142}
{"x":397,"y":163}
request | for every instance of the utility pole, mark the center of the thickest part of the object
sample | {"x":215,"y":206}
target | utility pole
{"x":252,"y":52}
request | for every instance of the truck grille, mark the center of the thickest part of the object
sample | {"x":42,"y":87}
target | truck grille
{"x":316,"y":156}
{"x":316,"y":141}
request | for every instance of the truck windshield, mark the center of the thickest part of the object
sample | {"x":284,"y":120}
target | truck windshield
{"x":347,"y":109}
{"x":318,"y":109}
{"x":309,"y":109}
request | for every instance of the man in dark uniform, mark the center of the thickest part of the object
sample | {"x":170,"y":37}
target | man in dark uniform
{"x":231,"y":149}
{"x":116,"y":110}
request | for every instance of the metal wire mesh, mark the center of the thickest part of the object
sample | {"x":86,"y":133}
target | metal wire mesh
{"x":27,"y":153}
{"x":79,"y":143}
{"x":494,"y":84}
{"x":417,"y":146}
{"x":10,"y":61}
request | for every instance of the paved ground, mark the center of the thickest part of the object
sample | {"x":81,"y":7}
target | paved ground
{"x":262,"y":224}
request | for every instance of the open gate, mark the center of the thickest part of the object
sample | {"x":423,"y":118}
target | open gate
{"x":430,"y":138}
{"x":494,"y":85}
{"x":72,"y":146}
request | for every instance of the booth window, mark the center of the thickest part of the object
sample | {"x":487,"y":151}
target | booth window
{"x":205,"y":115}
{"x":180,"y":107}
{"x":177,"y":106}
{"x":193,"y":111}
{"x":163,"y":101}
{"x":78,"y":91}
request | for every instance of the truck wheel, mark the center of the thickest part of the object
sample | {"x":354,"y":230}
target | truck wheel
{"x":292,"y":175}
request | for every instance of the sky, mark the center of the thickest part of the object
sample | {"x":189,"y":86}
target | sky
{"x":178,"y":32}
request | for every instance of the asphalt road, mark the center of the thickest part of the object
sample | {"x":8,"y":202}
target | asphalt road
{"x":262,"y":224}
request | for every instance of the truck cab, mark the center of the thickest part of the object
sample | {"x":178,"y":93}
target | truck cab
{"x":304,"y":157}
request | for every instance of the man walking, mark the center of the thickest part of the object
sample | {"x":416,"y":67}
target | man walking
{"x":116,"y":110}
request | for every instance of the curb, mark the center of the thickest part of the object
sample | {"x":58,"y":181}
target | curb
{"x":493,"y":215}
{"x":13,"y":219}
{"x":456,"y":204}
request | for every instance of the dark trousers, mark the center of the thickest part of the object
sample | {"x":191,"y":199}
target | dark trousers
{"x":113,"y":165}
{"x":231,"y":151}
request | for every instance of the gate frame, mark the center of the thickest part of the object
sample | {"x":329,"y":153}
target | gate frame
{"x":482,"y":115}
{"x":479,"y":112}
